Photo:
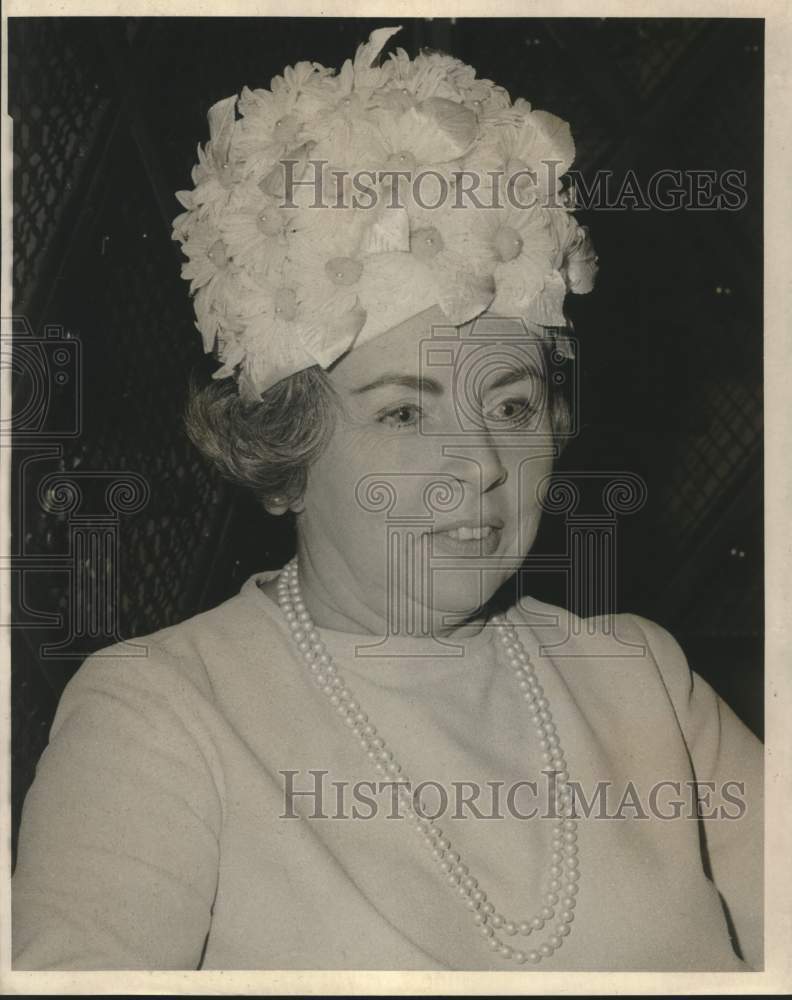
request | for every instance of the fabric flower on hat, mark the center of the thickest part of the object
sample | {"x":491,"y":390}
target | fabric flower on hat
{"x":342,"y":106}
{"x":209,"y":263}
{"x":256,"y":230}
{"x":577,"y":261}
{"x":184,"y":223}
{"x":213,"y":310}
{"x":425,"y":76}
{"x":327,"y":280}
{"x":216,"y":172}
{"x":484,"y":97}
{"x":457,"y":262}
{"x":270,"y":347}
{"x":524,"y":246}
{"x":581,"y":264}
{"x":435,"y":130}
{"x":410,"y":146}
{"x":534,"y":149}
{"x":305,"y":323}
{"x":273,"y":121}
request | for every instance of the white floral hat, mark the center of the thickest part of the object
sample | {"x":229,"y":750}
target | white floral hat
{"x":337,"y":206}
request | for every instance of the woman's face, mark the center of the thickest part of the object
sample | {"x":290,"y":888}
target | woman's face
{"x":427,"y":497}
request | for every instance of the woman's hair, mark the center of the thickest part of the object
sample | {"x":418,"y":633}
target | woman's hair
{"x":268,"y":446}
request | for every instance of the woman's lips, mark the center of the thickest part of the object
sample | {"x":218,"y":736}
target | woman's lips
{"x":468,"y":539}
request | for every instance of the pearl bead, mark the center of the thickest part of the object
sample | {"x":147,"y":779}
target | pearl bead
{"x":525,"y":928}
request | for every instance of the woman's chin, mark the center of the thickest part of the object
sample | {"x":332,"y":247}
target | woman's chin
{"x":461,"y":595}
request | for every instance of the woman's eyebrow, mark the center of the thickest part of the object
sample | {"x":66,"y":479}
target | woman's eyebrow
{"x":528,"y":370}
{"x":418,"y":382}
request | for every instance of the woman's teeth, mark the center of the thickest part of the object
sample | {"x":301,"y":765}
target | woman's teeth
{"x":468,"y":534}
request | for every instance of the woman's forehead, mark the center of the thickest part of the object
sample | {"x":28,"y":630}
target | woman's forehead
{"x":428,"y":341}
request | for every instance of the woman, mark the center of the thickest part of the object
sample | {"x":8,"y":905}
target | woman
{"x":357,"y":762}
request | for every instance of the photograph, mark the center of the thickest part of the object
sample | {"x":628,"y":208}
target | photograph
{"x":384,"y":485}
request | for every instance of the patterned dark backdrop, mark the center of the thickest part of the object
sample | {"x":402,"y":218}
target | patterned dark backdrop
{"x":113,"y":508}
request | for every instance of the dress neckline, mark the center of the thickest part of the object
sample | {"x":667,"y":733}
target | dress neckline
{"x":369,"y":654}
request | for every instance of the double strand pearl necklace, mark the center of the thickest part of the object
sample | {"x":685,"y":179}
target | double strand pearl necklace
{"x":557,"y":909}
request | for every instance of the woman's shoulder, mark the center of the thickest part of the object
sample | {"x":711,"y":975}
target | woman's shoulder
{"x":622,"y":638}
{"x":546,"y":618}
{"x":185,"y":659}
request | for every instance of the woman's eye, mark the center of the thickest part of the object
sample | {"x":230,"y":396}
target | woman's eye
{"x":513,"y":411}
{"x":400,"y":416}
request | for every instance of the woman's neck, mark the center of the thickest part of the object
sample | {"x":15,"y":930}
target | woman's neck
{"x":332,"y":601}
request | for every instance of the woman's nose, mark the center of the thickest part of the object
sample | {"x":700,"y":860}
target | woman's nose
{"x":476,"y":461}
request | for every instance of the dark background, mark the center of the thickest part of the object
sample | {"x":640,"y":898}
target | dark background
{"x":107,"y":114}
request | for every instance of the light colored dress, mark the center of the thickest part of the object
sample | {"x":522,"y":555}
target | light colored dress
{"x":153,"y":836}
